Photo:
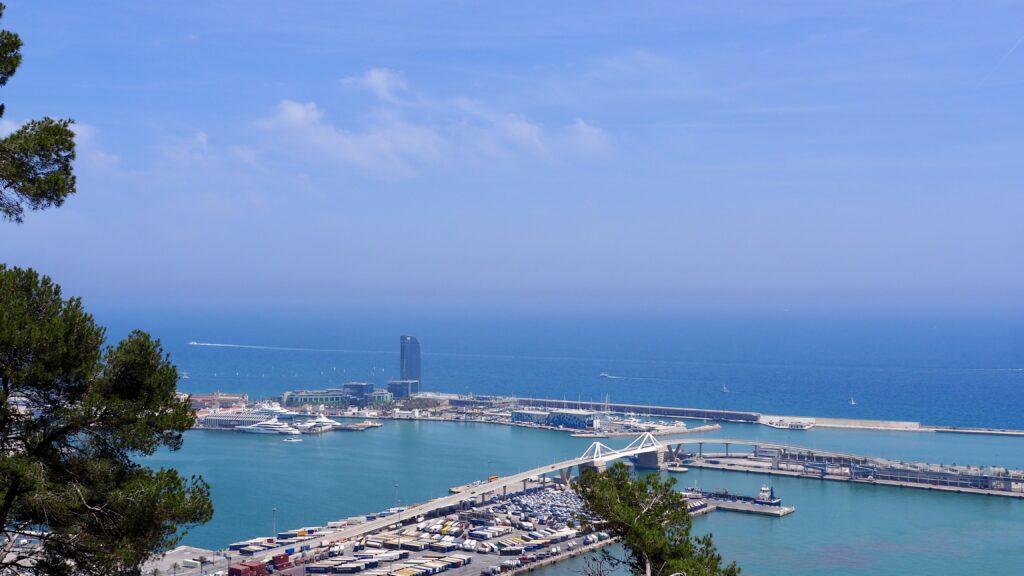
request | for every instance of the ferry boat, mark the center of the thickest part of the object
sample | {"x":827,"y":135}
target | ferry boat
{"x":272,"y":426}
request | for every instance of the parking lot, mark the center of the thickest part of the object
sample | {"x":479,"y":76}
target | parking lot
{"x":503,"y":535}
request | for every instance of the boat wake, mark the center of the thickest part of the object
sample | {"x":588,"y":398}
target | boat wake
{"x":607,"y":376}
{"x":284,"y":348}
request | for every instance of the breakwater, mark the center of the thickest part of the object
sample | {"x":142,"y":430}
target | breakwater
{"x":759,"y":418}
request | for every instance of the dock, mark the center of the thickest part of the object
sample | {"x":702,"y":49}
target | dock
{"x":822,"y":471}
{"x":751,"y":508}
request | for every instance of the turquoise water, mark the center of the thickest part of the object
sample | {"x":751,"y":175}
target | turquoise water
{"x":839,"y":528}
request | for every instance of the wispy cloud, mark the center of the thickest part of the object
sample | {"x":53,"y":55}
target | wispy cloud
{"x":193,"y":149}
{"x":396,"y":137}
{"x":385,"y":84}
{"x":388,"y":145}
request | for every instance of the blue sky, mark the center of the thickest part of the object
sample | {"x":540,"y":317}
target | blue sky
{"x":670,"y":153}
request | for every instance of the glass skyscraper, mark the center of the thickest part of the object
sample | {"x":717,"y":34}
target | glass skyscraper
{"x":411,"y":360}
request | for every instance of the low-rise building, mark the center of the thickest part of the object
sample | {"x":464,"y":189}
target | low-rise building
{"x":378,"y":397}
{"x":566,"y":418}
{"x":530,"y":417}
{"x":333,"y":397}
{"x":401,"y":389}
{"x":580,"y":419}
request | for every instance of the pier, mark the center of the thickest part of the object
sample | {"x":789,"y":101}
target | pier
{"x":750,"y":508}
{"x":759,"y":418}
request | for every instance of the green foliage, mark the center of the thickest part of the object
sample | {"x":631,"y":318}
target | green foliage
{"x":36,"y":159}
{"x":650,"y":518}
{"x":74,"y":418}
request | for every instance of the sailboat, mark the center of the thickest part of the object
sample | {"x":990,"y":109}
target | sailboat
{"x":852,"y":401}
{"x":725,"y":389}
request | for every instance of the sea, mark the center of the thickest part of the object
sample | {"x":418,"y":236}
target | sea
{"x":957,"y":368}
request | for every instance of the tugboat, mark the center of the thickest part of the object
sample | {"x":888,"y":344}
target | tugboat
{"x":767,"y":497}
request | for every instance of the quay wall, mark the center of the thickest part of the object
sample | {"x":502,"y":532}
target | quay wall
{"x":756,"y":417}
{"x":699,"y":413}
{"x":868,"y":424}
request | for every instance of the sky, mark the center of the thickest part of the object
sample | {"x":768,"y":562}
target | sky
{"x":725,"y":153}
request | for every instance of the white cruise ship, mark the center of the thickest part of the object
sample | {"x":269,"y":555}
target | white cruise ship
{"x":272,"y":426}
{"x":318,"y":425}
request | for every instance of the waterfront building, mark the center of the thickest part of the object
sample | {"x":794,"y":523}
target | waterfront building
{"x":379,"y":396}
{"x":358,"y":389}
{"x":406,"y":414}
{"x":410,"y":359}
{"x":217,"y":400}
{"x":403,"y":388}
{"x":567,"y":418}
{"x":564,"y":418}
{"x":530,"y":417}
{"x":334,"y":397}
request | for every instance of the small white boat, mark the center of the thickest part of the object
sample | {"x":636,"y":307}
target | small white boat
{"x":292,"y":440}
{"x":725,"y":389}
{"x":852,"y":401}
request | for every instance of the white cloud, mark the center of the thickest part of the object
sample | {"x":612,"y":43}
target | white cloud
{"x":389,"y":145}
{"x":383,"y":83}
{"x":393,"y":137}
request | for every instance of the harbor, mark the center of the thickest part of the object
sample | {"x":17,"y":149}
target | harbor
{"x":504,"y":525}
{"x":511,"y":509}
{"x":313,"y":483}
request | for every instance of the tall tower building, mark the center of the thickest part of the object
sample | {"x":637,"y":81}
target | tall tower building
{"x":411,"y":360}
